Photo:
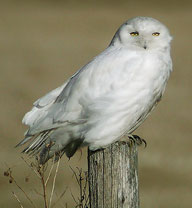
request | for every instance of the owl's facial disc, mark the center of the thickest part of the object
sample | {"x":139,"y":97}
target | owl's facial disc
{"x":144,"y":33}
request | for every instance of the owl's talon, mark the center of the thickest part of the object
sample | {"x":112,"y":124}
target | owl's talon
{"x":137,"y":140}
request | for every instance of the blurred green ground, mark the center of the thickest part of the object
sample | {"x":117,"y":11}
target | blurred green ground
{"x":42,"y":43}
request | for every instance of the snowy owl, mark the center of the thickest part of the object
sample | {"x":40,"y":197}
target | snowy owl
{"x":107,"y":98}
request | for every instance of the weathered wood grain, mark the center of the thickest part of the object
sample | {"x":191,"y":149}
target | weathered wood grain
{"x":113,"y":177}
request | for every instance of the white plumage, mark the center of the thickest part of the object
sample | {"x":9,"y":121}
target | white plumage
{"x":107,"y":98}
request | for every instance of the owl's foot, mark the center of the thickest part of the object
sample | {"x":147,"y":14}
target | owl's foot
{"x":133,"y":139}
{"x":137,"y":140}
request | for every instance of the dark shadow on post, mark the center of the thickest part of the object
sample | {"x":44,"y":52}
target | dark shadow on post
{"x":113,"y":177}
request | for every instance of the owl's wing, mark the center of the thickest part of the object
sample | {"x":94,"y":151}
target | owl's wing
{"x":41,"y":105}
{"x":58,"y":107}
{"x":66,"y":104}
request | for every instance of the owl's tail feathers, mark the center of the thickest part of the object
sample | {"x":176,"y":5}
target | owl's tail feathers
{"x":46,"y":147}
{"x":56,"y":151}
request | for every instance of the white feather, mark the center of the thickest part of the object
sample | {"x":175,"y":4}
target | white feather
{"x":111,"y":95}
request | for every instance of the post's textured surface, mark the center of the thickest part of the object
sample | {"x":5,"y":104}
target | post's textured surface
{"x":113,"y":177}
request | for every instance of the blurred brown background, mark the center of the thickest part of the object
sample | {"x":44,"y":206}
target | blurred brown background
{"x":42,"y":43}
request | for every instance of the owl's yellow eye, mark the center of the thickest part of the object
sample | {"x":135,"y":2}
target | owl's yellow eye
{"x":134,"y":33}
{"x":156,"y":34}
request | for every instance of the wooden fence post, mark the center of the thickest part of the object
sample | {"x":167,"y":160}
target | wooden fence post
{"x":113,"y":177}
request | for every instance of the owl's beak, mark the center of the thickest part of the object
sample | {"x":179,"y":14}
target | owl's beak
{"x":145,"y":47}
{"x":143,"y":43}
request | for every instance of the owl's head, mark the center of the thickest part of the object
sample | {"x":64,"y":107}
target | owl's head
{"x":142,"y":33}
